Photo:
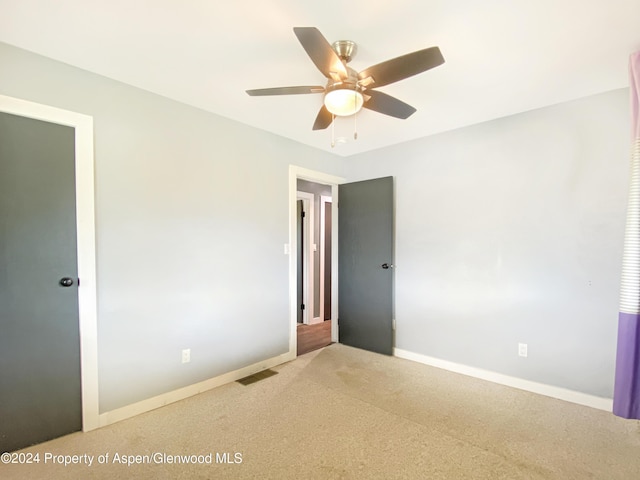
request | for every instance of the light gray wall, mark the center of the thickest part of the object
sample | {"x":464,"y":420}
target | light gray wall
{"x":506,"y":232}
{"x":192,"y":215}
{"x":511,"y":231}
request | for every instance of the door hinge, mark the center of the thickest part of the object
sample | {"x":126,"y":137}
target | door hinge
{"x":304,"y":214}
{"x":302,"y":307}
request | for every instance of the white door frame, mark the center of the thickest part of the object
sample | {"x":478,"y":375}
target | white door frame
{"x":307,"y":255}
{"x":324,"y":199}
{"x":296,"y":173}
{"x":85,"y":228}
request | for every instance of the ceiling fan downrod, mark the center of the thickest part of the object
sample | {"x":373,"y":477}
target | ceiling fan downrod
{"x":346,"y":49}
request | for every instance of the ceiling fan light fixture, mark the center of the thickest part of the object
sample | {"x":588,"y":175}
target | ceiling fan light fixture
{"x":343,"y":101}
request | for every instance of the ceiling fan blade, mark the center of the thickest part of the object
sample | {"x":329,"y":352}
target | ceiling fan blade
{"x":388,"y":105}
{"x":285,"y":90}
{"x":320,"y":52}
{"x":323,"y":120}
{"x":402,"y":67}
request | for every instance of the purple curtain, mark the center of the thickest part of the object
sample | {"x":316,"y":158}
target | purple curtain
{"x":626,"y":394}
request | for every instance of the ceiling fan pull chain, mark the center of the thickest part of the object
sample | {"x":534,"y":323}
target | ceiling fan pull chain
{"x":355,"y":126}
{"x":333,"y":129}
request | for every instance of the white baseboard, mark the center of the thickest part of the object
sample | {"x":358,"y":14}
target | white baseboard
{"x":539,"y":388}
{"x":143,"y":406}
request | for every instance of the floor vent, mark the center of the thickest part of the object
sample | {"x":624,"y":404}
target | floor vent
{"x":256,"y":377}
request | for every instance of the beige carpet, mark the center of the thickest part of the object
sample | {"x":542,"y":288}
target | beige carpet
{"x":345,"y":413}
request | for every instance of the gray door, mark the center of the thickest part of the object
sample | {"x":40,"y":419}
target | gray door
{"x":365,"y":256}
{"x":327,"y":261}
{"x":300,"y":274}
{"x":40,"y":394}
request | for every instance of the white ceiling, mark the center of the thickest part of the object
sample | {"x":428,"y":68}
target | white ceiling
{"x":502,"y":56}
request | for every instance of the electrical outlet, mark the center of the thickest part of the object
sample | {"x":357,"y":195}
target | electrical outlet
{"x":522,"y":349}
{"x":186,"y":355}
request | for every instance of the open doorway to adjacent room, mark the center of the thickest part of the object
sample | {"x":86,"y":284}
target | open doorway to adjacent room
{"x":314,"y":265}
{"x":316,"y":286}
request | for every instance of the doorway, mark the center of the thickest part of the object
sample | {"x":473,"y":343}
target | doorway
{"x":365,"y":260}
{"x":329,"y":184}
{"x":314,"y":248}
{"x":79,"y":129}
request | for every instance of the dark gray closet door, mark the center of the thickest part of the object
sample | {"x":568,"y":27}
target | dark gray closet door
{"x":40,"y":396}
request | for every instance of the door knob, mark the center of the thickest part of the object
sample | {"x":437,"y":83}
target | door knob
{"x":66,"y":281}
{"x":386,"y":266}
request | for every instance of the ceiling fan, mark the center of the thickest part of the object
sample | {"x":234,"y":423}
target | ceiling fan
{"x":347,"y":91}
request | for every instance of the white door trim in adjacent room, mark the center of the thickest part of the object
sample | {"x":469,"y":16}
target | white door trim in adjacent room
{"x":324,"y":199}
{"x":308,"y":257}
